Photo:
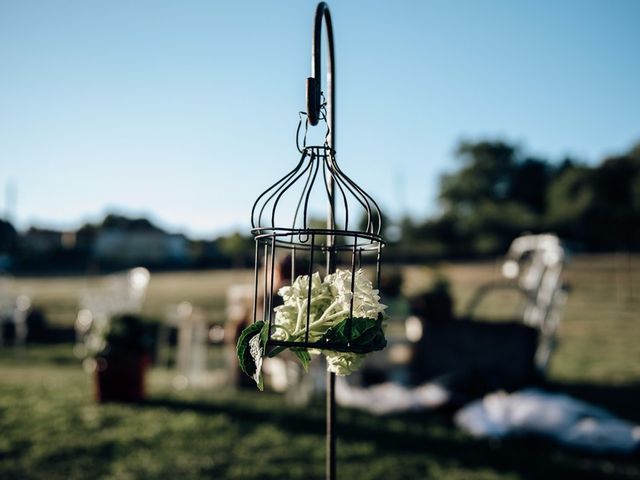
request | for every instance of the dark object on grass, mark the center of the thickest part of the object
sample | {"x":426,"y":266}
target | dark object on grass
{"x":8,"y":332}
{"x":434,"y":305}
{"x":122,"y":363}
{"x":391,"y":283}
{"x":37,"y":327}
{"x":121,"y":378}
{"x":472,"y":358}
{"x":40,"y":331}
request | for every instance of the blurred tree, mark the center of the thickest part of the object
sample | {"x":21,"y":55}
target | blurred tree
{"x":598,"y":207}
{"x":239,"y":249}
{"x":529,"y":182}
{"x":8,"y":245}
{"x":614,"y":218}
{"x":8,"y":237}
{"x":385,"y":220}
{"x":121,"y":222}
{"x":569,"y":198}
{"x":485,"y":175}
{"x":498,"y":193}
{"x":495,"y":196}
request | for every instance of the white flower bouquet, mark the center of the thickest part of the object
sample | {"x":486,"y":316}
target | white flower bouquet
{"x":349,"y":334}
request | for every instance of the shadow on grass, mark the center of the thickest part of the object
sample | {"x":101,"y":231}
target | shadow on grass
{"x":56,"y":336}
{"x":433,"y":435}
{"x":39,"y":353}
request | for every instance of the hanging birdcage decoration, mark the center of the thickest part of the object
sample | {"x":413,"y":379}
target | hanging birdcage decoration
{"x":318,"y":248}
{"x":315,"y":286}
{"x":310,"y":251}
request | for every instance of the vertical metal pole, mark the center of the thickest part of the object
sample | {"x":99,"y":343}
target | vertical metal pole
{"x":331,"y":426}
{"x":313,"y":107}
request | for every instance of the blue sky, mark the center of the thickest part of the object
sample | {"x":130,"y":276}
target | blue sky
{"x":186,"y":111}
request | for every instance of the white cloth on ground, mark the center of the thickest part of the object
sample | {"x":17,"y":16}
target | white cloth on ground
{"x":560,"y":417}
{"x":387,"y":398}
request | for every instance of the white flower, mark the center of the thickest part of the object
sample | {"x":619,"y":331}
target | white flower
{"x":343,"y":363}
{"x":366,"y":301}
{"x":300,"y":288}
{"x":331,"y":303}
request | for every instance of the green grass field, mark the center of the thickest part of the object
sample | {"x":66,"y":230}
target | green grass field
{"x":51,"y":428}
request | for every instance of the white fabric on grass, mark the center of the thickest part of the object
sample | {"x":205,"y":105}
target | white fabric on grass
{"x":387,"y":398}
{"x":562,"y":418}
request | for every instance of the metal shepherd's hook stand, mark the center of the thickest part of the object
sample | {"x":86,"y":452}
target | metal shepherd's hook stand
{"x":314,"y":103}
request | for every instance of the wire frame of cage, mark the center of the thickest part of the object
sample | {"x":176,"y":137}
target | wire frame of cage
{"x":306,"y":250}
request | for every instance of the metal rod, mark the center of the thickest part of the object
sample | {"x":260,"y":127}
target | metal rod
{"x":256,"y":280}
{"x":314,"y":100}
{"x":331,"y":426}
{"x":308,"y":322}
{"x":353,"y":288}
{"x":264,"y":285}
{"x":270,"y":291}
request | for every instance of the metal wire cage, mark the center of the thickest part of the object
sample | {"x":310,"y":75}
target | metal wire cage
{"x":290,"y":243}
{"x":285,"y":250}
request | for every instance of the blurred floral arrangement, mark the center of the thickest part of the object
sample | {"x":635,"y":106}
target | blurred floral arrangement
{"x":120,"y":335}
{"x":351,"y":324}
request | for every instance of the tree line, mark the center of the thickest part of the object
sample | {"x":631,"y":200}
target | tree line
{"x":497,"y":192}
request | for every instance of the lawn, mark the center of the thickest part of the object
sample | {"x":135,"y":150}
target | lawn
{"x":51,"y":428}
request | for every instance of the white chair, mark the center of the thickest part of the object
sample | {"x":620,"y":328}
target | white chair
{"x":191,"y":350}
{"x":533,"y":266}
{"x":14,"y":309}
{"x":117,"y":293}
{"x":114,"y":294}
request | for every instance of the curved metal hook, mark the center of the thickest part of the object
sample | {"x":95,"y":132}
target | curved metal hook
{"x":314,"y":83}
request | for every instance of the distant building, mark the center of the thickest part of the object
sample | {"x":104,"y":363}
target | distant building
{"x":140,"y":247}
{"x":40,"y":241}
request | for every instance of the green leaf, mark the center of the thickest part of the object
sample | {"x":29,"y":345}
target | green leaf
{"x":264,"y":336}
{"x":366,"y":336}
{"x":276,"y":351}
{"x":247,"y":363}
{"x":304,"y":357}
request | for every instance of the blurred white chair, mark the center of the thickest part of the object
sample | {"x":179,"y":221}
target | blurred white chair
{"x":191,"y":349}
{"x":115,"y":294}
{"x":533,"y":266}
{"x":14,"y":309}
{"x":194,"y":364}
